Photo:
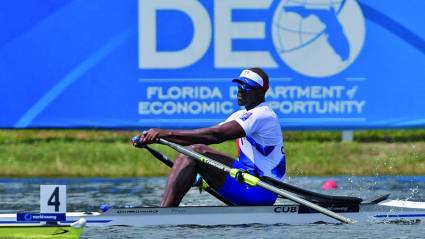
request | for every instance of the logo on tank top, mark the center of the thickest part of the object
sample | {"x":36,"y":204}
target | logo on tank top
{"x":246,"y":116}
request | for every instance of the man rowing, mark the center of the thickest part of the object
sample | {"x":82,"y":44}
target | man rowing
{"x":259,"y":140}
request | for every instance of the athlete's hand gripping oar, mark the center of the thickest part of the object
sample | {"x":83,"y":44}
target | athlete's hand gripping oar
{"x":163,"y":158}
{"x":254,"y":181}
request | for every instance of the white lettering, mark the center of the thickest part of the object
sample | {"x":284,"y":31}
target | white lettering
{"x":233,"y":92}
{"x":306,"y":92}
{"x":226,"y":31}
{"x":184,"y":92}
{"x":318,"y":107}
{"x":191,"y":107}
{"x":151,"y":91}
{"x":149,"y":57}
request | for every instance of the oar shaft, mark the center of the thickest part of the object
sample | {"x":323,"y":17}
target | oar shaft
{"x":252,"y":180}
{"x":160,"y":156}
{"x":196,"y":155}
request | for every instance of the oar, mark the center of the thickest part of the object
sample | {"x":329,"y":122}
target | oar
{"x":254,"y":181}
{"x":303,"y":193}
{"x":163,"y":158}
{"x":288,"y":187}
{"x":160,"y":156}
{"x":310,"y":195}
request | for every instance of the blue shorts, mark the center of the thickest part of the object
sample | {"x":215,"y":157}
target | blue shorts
{"x":242,"y":194}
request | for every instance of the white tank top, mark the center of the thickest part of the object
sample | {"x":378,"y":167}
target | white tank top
{"x":261,"y":149}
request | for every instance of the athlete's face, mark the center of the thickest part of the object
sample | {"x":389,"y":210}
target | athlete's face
{"x":248,"y":96}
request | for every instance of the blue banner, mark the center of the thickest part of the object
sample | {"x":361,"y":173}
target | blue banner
{"x":342,"y":64}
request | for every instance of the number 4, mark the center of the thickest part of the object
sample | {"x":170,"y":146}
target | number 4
{"x":54,"y":199}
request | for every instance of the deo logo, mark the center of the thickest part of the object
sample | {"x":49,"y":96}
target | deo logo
{"x":286,"y":209}
{"x":224,"y":31}
{"x":314,"y":37}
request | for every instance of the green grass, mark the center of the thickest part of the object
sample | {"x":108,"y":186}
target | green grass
{"x":103,"y":153}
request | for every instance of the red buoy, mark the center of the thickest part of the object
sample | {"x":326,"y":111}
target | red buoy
{"x":329,"y":185}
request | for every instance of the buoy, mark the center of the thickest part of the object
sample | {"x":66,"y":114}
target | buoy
{"x":329,"y":185}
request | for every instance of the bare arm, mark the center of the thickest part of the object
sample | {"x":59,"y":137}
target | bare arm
{"x":211,"y":135}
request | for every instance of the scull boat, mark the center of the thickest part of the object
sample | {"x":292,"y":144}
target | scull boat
{"x":386,"y":211}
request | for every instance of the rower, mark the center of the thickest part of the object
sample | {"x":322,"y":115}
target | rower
{"x":258,"y":134}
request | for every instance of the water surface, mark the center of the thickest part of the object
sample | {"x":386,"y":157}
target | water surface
{"x":89,"y":194}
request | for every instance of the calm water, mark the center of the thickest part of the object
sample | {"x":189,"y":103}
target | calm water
{"x":89,"y":194}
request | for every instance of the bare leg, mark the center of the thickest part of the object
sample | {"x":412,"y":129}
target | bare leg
{"x":179,"y":181}
{"x":184,"y":171}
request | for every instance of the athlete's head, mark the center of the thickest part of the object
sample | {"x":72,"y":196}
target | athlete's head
{"x":253,"y":84}
{"x":254,"y":78}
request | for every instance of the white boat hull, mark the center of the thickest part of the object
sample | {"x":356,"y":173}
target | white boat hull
{"x":386,"y":211}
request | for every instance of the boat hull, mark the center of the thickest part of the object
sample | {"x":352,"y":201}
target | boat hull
{"x":289,"y":214}
{"x":386,"y":211}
